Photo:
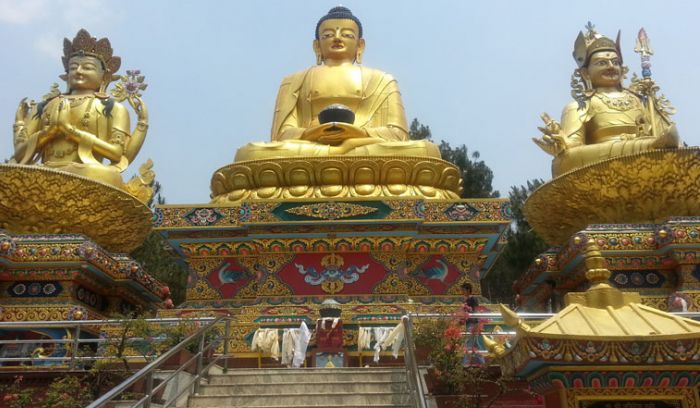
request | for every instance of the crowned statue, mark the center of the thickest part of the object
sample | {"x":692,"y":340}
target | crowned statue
{"x":84,"y":131}
{"x":70,"y":149}
{"x":341,"y":109}
{"x":607,"y":119}
{"x":617,"y":155}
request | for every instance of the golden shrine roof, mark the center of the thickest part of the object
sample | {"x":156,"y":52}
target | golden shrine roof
{"x":604,"y":312}
{"x":632,"y":320}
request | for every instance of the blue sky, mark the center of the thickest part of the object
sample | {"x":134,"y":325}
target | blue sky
{"x":477,"y":72}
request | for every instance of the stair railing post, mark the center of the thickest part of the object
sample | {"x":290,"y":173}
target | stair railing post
{"x":227,"y":334}
{"x":200,"y":363}
{"x":76,"y":344}
{"x":149,"y":390}
{"x":411,"y":364}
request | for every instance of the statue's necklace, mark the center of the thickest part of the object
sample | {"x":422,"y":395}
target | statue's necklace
{"x":623,"y":103}
{"x":85,"y":121}
{"x":77,"y":101}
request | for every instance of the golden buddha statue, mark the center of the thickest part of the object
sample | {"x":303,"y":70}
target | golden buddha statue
{"x":605,"y":120}
{"x":84,"y":131}
{"x":69,"y":150}
{"x":376,"y":128}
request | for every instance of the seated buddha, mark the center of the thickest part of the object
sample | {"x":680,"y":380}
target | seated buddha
{"x":339,"y":130}
{"x":84,"y":130}
{"x":379,"y":126}
{"x":606,"y":119}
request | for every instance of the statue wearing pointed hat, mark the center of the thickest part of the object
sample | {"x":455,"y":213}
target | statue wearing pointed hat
{"x":605,"y":119}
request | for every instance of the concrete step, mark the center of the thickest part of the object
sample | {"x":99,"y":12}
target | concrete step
{"x":327,"y":406}
{"x":308,"y":375}
{"x":359,"y":386}
{"x":324,"y":399}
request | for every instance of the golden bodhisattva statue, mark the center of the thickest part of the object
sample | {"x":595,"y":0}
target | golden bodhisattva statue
{"x":617,"y":155}
{"x":337,"y":108}
{"x":70,"y":149}
{"x":606,"y":119}
{"x":84,"y":131}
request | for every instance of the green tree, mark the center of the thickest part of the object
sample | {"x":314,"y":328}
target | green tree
{"x":477,"y":177}
{"x":523,"y":243}
{"x":523,"y":246}
{"x":155,"y":255}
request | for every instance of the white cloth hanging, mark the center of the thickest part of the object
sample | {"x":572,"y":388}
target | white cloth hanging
{"x":300,"y":345}
{"x":267,"y":341}
{"x":364,"y":338}
{"x":394,"y":339}
{"x":380,"y":333}
{"x":289,"y":339}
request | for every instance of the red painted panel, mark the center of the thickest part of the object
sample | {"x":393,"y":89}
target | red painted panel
{"x":229,"y":277}
{"x":357,"y":272}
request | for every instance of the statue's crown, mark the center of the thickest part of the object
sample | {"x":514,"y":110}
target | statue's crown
{"x":85,"y":44}
{"x":591,"y":42}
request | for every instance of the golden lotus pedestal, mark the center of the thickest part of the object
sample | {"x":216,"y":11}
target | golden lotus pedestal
{"x":273,"y":262}
{"x":642,"y":188}
{"x":36,"y":199}
{"x":335,"y":177}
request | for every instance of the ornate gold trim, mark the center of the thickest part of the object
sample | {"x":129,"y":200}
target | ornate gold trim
{"x":37,"y":199}
{"x":336,"y":177}
{"x":646,"y":187}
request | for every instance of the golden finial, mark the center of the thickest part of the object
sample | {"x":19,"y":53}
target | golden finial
{"x":595,"y":263}
{"x":600,"y":294}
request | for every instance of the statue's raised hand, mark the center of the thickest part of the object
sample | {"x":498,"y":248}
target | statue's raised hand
{"x":22,"y":111}
{"x":551,"y":141}
{"x":62,"y":118}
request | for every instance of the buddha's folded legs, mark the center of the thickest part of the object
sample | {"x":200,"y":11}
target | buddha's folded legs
{"x":367,"y":147}
{"x":419,"y":148}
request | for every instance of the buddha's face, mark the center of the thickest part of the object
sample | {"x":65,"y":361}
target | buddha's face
{"x":605,"y":69}
{"x":85,"y":73}
{"x":338,"y":40}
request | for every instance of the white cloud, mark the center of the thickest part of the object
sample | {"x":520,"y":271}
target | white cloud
{"x":24,"y":11}
{"x":52,"y":20}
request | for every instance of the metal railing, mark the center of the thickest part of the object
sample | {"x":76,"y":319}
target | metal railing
{"x":72,"y":347}
{"x":208,"y":338}
{"x":415,"y":383}
{"x":204,"y":350}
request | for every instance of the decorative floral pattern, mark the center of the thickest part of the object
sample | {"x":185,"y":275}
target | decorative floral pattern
{"x":461,"y":212}
{"x":35,"y":289}
{"x":331,"y":210}
{"x":204,"y":217}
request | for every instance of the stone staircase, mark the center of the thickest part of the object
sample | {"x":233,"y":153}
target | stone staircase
{"x":305,"y":387}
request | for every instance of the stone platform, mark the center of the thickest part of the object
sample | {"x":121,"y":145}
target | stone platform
{"x":274,"y":262}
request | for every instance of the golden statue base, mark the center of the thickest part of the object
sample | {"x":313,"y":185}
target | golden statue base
{"x":336,"y":177}
{"x":646,"y":187}
{"x":37,"y":199}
